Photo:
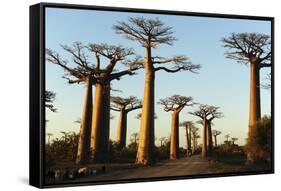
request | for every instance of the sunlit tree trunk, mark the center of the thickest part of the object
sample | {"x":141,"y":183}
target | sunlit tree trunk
{"x":100,"y":123}
{"x":254,"y":95}
{"x":204,"y":138}
{"x":83,"y":151}
{"x":210,"y":141}
{"x":174,"y":145}
{"x":146,"y":142}
{"x":122,"y":129}
{"x":255,"y":113}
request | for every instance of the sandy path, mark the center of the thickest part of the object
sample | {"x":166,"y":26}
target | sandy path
{"x":180,"y":167}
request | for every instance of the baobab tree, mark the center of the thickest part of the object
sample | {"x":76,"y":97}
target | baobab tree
{"x":214,"y":114}
{"x":188,"y":125}
{"x":207,"y":113}
{"x":134,"y":138}
{"x":82,"y":72}
{"x":162,"y":140}
{"x":215,"y":134}
{"x":101,"y":109}
{"x":97,"y":117}
{"x":253,"y":49}
{"x":124,"y":106}
{"x":227,"y":137}
{"x":151,"y":33}
{"x":233,"y":140}
{"x":201,"y":122}
{"x":175,"y":104}
{"x":49,"y":98}
{"x":194,"y":137}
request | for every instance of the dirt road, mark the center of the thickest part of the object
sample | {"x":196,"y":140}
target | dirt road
{"x":181,"y":167}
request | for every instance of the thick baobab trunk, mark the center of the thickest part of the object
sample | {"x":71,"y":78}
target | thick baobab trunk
{"x":100,"y":123}
{"x":255,"y":113}
{"x":122,"y":129}
{"x":210,"y":141}
{"x":204,"y":138}
{"x":146,"y":142}
{"x":83,"y":151}
{"x":174,"y":145}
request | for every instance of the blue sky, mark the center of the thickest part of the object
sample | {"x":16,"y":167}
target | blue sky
{"x":220,"y":82}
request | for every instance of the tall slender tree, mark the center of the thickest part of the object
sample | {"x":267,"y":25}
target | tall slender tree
{"x":215,"y":114}
{"x":151,"y":33}
{"x":207,"y":113}
{"x":101,"y":109}
{"x":215,"y":134}
{"x":233,"y":140}
{"x":195,"y":136}
{"x":227,"y":137}
{"x":134,"y":138}
{"x":175,"y":104}
{"x":124,"y":106}
{"x":201,"y":122}
{"x":188,"y":125}
{"x":253,"y":49}
{"x":81,"y":72}
{"x":95,"y":120}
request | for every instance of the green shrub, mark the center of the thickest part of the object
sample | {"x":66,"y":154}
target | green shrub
{"x":258,"y":144}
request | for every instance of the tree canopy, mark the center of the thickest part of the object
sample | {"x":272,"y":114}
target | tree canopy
{"x":249,"y":47}
{"x":176,"y":102}
{"x":49,"y":98}
{"x":128,"y":104}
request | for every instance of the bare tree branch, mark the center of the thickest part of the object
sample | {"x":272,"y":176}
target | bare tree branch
{"x":127,"y":104}
{"x":113,"y":53}
{"x":79,"y":56}
{"x":248,"y":47}
{"x":176,"y":102}
{"x":179,"y":63}
{"x":148,"y":32}
{"x":205,"y":110}
{"x":49,"y":98}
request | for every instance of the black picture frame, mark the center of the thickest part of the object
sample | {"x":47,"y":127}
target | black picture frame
{"x":37,"y":88}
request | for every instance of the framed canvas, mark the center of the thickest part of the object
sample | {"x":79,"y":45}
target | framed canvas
{"x":127,"y":95}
